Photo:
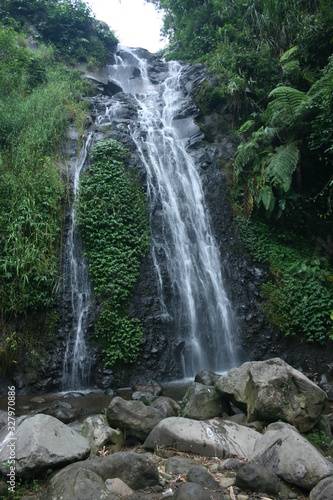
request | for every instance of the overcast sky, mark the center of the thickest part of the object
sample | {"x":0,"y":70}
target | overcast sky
{"x":135,"y":22}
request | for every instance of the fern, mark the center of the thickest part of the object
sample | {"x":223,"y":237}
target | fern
{"x":289,"y":105}
{"x":282,"y":165}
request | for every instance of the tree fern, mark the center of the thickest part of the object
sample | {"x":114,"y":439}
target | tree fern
{"x":289,"y":105}
{"x":282,"y":165}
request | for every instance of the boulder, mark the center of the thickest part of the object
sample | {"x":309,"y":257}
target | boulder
{"x":99,"y":434}
{"x":42,"y":442}
{"x":200,"y":475}
{"x":323,"y":490}
{"x":167,"y":406}
{"x":78,"y":483}
{"x":233,"y":385}
{"x":133,"y":417}
{"x":135,"y":470}
{"x":191,"y":490}
{"x":291,"y":457}
{"x":180,"y":465}
{"x":214,"y":438}
{"x":206,"y":377}
{"x":272,"y":390}
{"x":202,"y":402}
{"x":118,"y":487}
{"x":258,"y":478}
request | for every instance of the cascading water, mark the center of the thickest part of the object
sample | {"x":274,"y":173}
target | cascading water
{"x":76,"y":365}
{"x":182,"y":240}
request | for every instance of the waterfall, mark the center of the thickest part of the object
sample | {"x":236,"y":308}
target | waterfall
{"x":182,"y":241}
{"x":76,"y":364}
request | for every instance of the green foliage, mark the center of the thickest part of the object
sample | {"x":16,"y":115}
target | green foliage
{"x":114,"y":225}
{"x":300,"y":298}
{"x":38,"y":99}
{"x":67,"y":24}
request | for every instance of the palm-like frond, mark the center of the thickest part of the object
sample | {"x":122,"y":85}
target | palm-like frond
{"x":282,"y":165}
{"x":289,"y":106}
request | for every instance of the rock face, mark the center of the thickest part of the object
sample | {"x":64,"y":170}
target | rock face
{"x":214,"y":438}
{"x":43,"y":442}
{"x":272,"y":390}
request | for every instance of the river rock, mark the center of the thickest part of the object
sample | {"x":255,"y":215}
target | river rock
{"x":167,"y":406}
{"x":118,"y":487}
{"x":272,"y":390}
{"x":78,"y":483}
{"x":277,"y":391}
{"x":214,"y":438}
{"x":42,"y":442}
{"x":206,"y":377}
{"x":323,"y":490}
{"x":99,"y":434}
{"x":203,"y":402}
{"x":291,"y":457}
{"x":192,"y":490}
{"x":258,"y":478}
{"x":133,"y":417}
{"x":137,"y":471}
{"x":200,"y":475}
{"x":180,"y":465}
{"x":233,"y":385}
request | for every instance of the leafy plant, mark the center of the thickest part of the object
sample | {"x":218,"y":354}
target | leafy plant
{"x":114,"y":225}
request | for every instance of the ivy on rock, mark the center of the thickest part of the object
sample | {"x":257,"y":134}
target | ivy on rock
{"x":114,"y":224}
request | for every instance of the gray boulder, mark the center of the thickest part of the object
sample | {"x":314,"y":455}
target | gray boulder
{"x":323,"y":490}
{"x":258,"y":478}
{"x":233,"y":385}
{"x":200,"y":475}
{"x":291,"y":457}
{"x":272,"y":390}
{"x":167,"y":406}
{"x":206,"y":377}
{"x":42,"y":442}
{"x":192,"y":490}
{"x":214,"y":438}
{"x":180,"y":465}
{"x":78,"y":483}
{"x":202,"y":402}
{"x":133,"y":417}
{"x":277,"y":391}
{"x":99,"y":434}
{"x":135,"y":470}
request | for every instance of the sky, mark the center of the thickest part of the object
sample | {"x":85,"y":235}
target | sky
{"x":135,"y":22}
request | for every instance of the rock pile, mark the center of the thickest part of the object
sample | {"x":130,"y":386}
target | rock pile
{"x":238,"y":439}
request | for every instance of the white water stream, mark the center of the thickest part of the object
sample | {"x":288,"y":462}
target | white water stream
{"x":76,"y":365}
{"x":201,"y":312}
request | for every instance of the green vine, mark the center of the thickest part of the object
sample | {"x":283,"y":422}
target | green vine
{"x":114,"y":224}
{"x":299,"y":299}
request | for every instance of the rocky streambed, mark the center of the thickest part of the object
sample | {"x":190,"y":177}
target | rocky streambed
{"x":248,"y":434}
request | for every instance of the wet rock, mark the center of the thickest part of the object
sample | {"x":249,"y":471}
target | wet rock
{"x":152,"y":387}
{"x":43,"y":442}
